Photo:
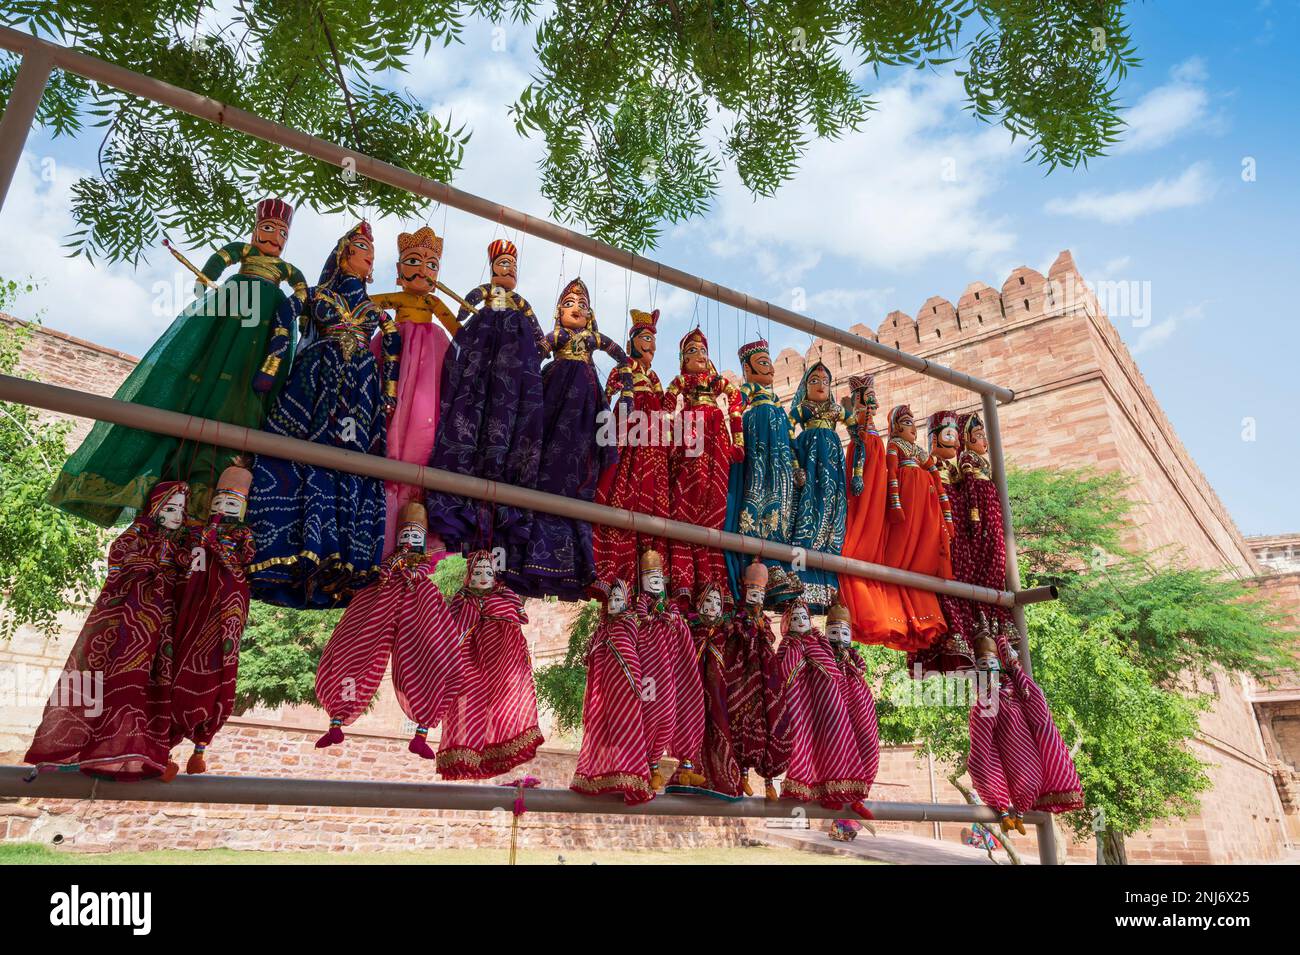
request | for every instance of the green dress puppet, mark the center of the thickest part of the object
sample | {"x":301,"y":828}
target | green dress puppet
{"x":203,"y":365}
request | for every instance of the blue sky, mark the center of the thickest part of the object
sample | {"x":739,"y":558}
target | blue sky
{"x":923,"y":201}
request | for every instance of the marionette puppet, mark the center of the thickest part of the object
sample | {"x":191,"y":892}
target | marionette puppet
{"x":109,"y":714}
{"x":612,"y":756}
{"x":402,"y":617}
{"x":980,"y":552}
{"x":211,"y":610}
{"x":916,"y":535}
{"x":672,"y":694}
{"x":950,"y":653}
{"x":760,"y":732}
{"x":558,"y":559}
{"x":761,"y":489}
{"x":203,"y":365}
{"x":875,"y":609}
{"x":492,"y":725}
{"x":423,"y":324}
{"x":826,"y":764}
{"x":707,"y":444}
{"x":858,"y":698}
{"x":710,"y":629}
{"x":822,"y":507}
{"x":638,"y":479}
{"x":319,"y":532}
{"x":490,"y":412}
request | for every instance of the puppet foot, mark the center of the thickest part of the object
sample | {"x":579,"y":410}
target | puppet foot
{"x":197,"y":764}
{"x":419,"y":744}
{"x":769,"y":791}
{"x":170,"y":772}
{"x":656,"y":779}
{"x":332,"y":738}
{"x":687,"y":775}
{"x":1006,"y":822}
{"x":745,"y":787}
{"x":1020,"y":826}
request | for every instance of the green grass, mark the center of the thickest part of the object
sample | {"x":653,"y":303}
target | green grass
{"x":34,"y":854}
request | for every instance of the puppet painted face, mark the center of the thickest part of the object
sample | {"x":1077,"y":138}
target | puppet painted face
{"x":270,"y":236}
{"x":505,"y":272}
{"x":709,"y":605}
{"x":977,"y":440}
{"x":800,"y":621}
{"x":905,"y":428}
{"x":652,"y":581}
{"x":759,"y":369}
{"x":617,"y":602}
{"x":755,"y":595}
{"x":483,"y":575}
{"x":417,"y":269}
{"x":574,"y":310}
{"x":228,"y":504}
{"x":945,"y":441}
{"x":172,"y":513}
{"x":839,"y":632}
{"x":643,"y":346}
{"x":411,"y":536}
{"x":695,"y":358}
{"x":819,"y":385}
{"x":359,"y":258}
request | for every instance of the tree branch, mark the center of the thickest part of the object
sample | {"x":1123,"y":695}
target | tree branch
{"x":343,"y":83}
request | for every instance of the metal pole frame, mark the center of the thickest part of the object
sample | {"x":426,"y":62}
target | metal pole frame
{"x":40,"y":57}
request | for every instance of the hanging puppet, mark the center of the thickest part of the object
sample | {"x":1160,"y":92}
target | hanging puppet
{"x":211,"y":610}
{"x":755,"y":708}
{"x":826,"y":764}
{"x":612,"y":757}
{"x":558,"y":560}
{"x":874,"y":608}
{"x":204,"y":366}
{"x":490,"y":413}
{"x":916,"y":537}
{"x":700,"y":461}
{"x":402,"y":617}
{"x":710,"y":630}
{"x":762,"y":488}
{"x":319,"y":532}
{"x":950,"y":653}
{"x":980,"y":549}
{"x":109,"y":713}
{"x":424,"y":324}
{"x":638,"y":480}
{"x":673,"y":695}
{"x":858,"y":698}
{"x":492,"y":725}
{"x":820,"y":513}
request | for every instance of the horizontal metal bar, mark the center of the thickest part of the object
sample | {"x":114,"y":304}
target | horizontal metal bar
{"x":235,"y":437}
{"x":207,"y":108}
{"x":1036,"y":595}
{"x":267,"y":791}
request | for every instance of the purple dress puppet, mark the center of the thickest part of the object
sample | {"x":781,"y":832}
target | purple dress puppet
{"x":558,"y":559}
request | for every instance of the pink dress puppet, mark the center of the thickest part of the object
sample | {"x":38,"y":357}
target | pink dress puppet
{"x":858,"y":698}
{"x":672,"y":693}
{"x":612,"y":757}
{"x":211,"y":610}
{"x":108,"y":713}
{"x":424,"y":346}
{"x":403,"y":616}
{"x":1018,"y":761}
{"x":492,"y":725}
{"x":826,"y":764}
{"x":755,"y":706}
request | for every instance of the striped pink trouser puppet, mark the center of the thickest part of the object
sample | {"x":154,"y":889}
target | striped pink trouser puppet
{"x":672,"y":692}
{"x":401,"y":616}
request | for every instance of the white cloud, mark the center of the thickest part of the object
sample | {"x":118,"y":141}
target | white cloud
{"x":1159,"y":333}
{"x":1168,"y":110}
{"x":1191,"y":188}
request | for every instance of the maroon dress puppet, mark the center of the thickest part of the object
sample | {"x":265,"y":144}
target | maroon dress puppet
{"x":858,"y":698}
{"x":403,"y":616}
{"x":612,"y":757}
{"x":754,"y":703}
{"x":672,"y":694}
{"x":492,"y":725}
{"x":211,"y":610}
{"x":710,"y":630}
{"x":108,"y":713}
{"x":979,"y":548}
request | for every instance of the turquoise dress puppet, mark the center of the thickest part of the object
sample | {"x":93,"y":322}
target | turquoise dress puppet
{"x":320,"y":532}
{"x":822,"y":507}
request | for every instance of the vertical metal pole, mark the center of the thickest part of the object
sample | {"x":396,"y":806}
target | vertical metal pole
{"x":1046,"y":843}
{"x":20,"y":113}
{"x":993,"y":430}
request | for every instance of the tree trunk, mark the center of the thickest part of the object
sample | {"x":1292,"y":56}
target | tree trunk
{"x":1110,"y":848}
{"x":972,"y":799}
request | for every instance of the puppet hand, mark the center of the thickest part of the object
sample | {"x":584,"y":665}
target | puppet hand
{"x":857,"y":485}
{"x":896,"y":515}
{"x":800,"y":477}
{"x":262,"y":382}
{"x":737,"y":453}
{"x":389,"y":404}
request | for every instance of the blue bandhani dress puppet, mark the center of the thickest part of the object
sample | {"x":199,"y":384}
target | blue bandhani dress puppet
{"x":822,"y":508}
{"x":320,"y":532}
{"x":559,"y":560}
{"x":761,"y":489}
{"x":203,"y":365}
{"x":490,"y":413}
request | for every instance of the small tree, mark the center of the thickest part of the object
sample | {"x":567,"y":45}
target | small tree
{"x":562,"y":686}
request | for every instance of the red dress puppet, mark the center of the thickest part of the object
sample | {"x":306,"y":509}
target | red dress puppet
{"x":108,"y":713}
{"x":700,"y":462}
{"x":858,"y":698}
{"x":754,"y":702}
{"x":492,"y":725}
{"x":979,"y":553}
{"x":612,"y":757}
{"x":875,"y":608}
{"x":917,"y":536}
{"x":710,"y":631}
{"x":826,"y":764}
{"x":211,"y":610}
{"x":638,"y":481}
{"x":672,"y":693}
{"x":401,"y":615}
